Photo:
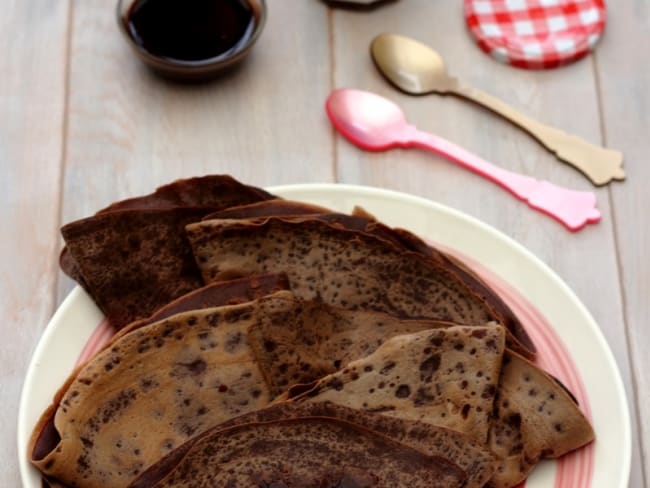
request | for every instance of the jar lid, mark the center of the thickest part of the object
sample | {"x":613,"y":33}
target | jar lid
{"x":536,"y":34}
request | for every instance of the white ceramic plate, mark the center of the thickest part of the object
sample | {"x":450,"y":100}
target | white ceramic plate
{"x":570,"y":343}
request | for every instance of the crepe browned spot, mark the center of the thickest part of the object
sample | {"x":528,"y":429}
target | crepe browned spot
{"x":149,"y":392}
{"x":341,"y":267}
{"x":310,"y":452}
{"x":445,"y":377}
{"x":212,"y":192}
{"x":134,"y":262}
{"x":535,"y":417}
{"x":298,"y":341}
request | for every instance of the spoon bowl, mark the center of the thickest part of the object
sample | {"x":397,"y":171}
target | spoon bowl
{"x":411,"y":66}
{"x":366,"y":119}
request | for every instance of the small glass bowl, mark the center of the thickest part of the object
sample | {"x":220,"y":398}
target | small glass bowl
{"x":200,"y":70}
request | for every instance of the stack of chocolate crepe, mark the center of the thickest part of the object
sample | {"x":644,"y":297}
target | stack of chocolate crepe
{"x":277,"y":344}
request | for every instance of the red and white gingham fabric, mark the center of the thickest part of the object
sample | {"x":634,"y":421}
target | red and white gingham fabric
{"x":536,"y":34}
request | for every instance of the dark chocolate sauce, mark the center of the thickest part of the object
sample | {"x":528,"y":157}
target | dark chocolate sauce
{"x":191,"y":30}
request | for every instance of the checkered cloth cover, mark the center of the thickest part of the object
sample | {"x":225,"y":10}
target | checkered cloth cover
{"x":536,"y":34}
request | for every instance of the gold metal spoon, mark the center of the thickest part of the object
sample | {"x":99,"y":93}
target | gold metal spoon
{"x":417,"y":69}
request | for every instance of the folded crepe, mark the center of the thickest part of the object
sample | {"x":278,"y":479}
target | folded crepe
{"x":534,"y":417}
{"x":446,"y":377}
{"x":210,"y":193}
{"x":149,"y":392}
{"x":361,"y":220}
{"x":310,"y":452}
{"x":134,"y":262}
{"x":342,"y":267}
{"x":476,"y":460}
{"x":46,"y":437}
{"x":297,"y":341}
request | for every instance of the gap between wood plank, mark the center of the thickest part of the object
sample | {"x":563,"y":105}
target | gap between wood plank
{"x":636,"y":408}
{"x":332,"y":69}
{"x":64,"y":141}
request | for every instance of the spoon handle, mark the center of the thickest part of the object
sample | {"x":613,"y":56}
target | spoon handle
{"x":574,"y":209}
{"x":600,"y":165}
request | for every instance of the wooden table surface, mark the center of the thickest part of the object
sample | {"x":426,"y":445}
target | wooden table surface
{"x":82,"y":124}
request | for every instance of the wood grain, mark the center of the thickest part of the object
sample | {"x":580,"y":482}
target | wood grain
{"x":33,"y":35}
{"x":624,"y":76}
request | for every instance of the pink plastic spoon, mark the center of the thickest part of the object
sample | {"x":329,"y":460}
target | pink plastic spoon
{"x":375,"y":123}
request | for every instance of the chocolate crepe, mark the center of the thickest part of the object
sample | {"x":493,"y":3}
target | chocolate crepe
{"x":475,"y":460}
{"x":134,"y":262}
{"x":149,"y":392}
{"x":46,"y":437}
{"x":445,"y":377}
{"x":304,"y":452}
{"x":342,"y":267}
{"x":216,"y":191}
{"x":297,"y":341}
{"x":177,"y":203}
{"x":534,"y":417}
{"x":361,"y":220}
{"x":216,"y":294}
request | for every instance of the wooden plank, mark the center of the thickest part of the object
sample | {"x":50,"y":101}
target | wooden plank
{"x":130,"y":131}
{"x":32,"y":102}
{"x":566,"y":98}
{"x":624,"y":75}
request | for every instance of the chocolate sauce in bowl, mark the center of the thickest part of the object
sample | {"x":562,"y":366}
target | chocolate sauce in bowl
{"x":191,"y":30}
